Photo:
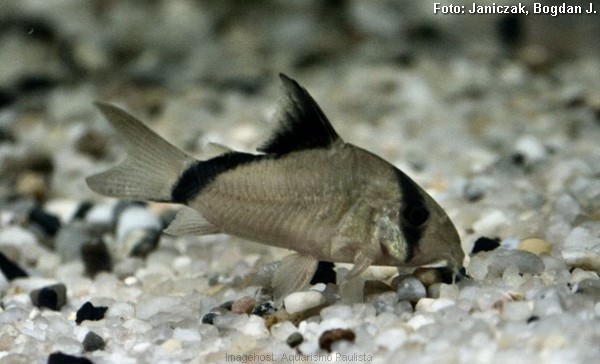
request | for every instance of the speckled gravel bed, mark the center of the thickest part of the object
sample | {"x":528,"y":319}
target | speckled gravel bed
{"x":500,"y":125}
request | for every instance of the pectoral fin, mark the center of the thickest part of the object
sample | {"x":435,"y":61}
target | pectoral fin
{"x":190,"y":222}
{"x":361,"y":262}
{"x":293,"y":274}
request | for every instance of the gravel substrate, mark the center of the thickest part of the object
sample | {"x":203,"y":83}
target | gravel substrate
{"x":497,"y":117}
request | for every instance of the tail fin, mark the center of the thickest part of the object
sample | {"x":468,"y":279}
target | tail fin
{"x":150,"y":170}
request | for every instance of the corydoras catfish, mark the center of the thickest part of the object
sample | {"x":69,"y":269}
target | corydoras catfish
{"x":306,"y":190}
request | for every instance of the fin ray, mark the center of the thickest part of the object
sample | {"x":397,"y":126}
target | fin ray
{"x":190,"y":222}
{"x":153,"y":165}
{"x":293,"y":274}
{"x":302,"y":123}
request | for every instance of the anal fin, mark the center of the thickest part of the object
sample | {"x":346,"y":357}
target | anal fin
{"x":190,"y":222}
{"x":293,"y":274}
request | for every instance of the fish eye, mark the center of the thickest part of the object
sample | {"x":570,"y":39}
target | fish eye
{"x":415,"y":216}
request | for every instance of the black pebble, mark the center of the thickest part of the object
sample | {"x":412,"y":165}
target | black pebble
{"x":227,"y":305}
{"x":533,"y":319}
{"x":484,"y":244}
{"x":93,"y":342}
{"x":96,"y":257}
{"x":47,"y":221}
{"x":324,"y":273}
{"x":10,"y":269}
{"x":209,"y":317}
{"x":89,"y":312}
{"x":263,"y":309}
{"x":60,"y":358}
{"x":147,"y":244}
{"x":330,"y":336}
{"x":294,"y":340}
{"x":53,"y":297}
{"x":82,"y":210}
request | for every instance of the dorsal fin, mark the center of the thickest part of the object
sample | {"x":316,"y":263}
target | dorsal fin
{"x":302,"y":123}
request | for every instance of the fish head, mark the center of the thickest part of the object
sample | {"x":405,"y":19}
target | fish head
{"x":428,"y":236}
{"x":435,"y":239}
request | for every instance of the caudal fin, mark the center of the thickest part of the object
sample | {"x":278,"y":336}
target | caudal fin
{"x":151,"y":168}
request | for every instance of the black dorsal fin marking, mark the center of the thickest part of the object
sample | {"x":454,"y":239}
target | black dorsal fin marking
{"x":302,"y":123}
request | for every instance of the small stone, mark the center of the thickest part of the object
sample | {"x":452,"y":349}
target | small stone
{"x":82,"y":210}
{"x":428,"y":276}
{"x":294,"y":340}
{"x":411,"y":289}
{"x":484,"y":244}
{"x":209,"y":318}
{"x":516,"y":311}
{"x":373,"y":287}
{"x":60,"y":358}
{"x":589,"y":286}
{"x":32,"y":184}
{"x":331,"y":336}
{"x":47,"y":221}
{"x":93,"y":342}
{"x":490,"y":222}
{"x":243,"y":305}
{"x":302,"y":301}
{"x":145,"y":243}
{"x":227,"y":305}
{"x":53,"y":297}
{"x":92,"y":143}
{"x":96,"y":257}
{"x":324,"y":273}
{"x":264,"y":308}
{"x":136,"y":217}
{"x":536,"y":246}
{"x":89,"y":312}
{"x":494,"y":263}
{"x":531,"y":148}
{"x":10,"y":269}
{"x":71,"y":237}
{"x":474,"y":190}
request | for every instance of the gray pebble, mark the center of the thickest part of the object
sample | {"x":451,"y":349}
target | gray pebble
{"x":145,"y":242}
{"x":70,"y":239}
{"x":494,"y":263}
{"x":93,"y":342}
{"x":384,"y":302}
{"x":53,"y":297}
{"x":294,"y":339}
{"x":411,"y":289}
{"x":589,"y":286}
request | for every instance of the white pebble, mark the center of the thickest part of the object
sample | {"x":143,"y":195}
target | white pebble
{"x":182,"y":334}
{"x":135,"y":218}
{"x":302,"y":301}
{"x":391,"y":338}
{"x":516,"y":310}
{"x":137,"y":326}
{"x":101,"y":214}
{"x":418,"y":321}
{"x":531,"y":148}
{"x":255,"y":326}
{"x":282,"y":330}
{"x":490,"y":222}
{"x":154,"y":305}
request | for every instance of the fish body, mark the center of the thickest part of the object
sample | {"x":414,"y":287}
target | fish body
{"x":307,"y":190}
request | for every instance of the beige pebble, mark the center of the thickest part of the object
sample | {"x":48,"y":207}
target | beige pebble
{"x":244,"y":305}
{"x":536,"y":246}
{"x":428,"y":276}
{"x":31,"y":184}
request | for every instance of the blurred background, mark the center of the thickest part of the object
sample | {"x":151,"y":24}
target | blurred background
{"x":207,"y":69}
